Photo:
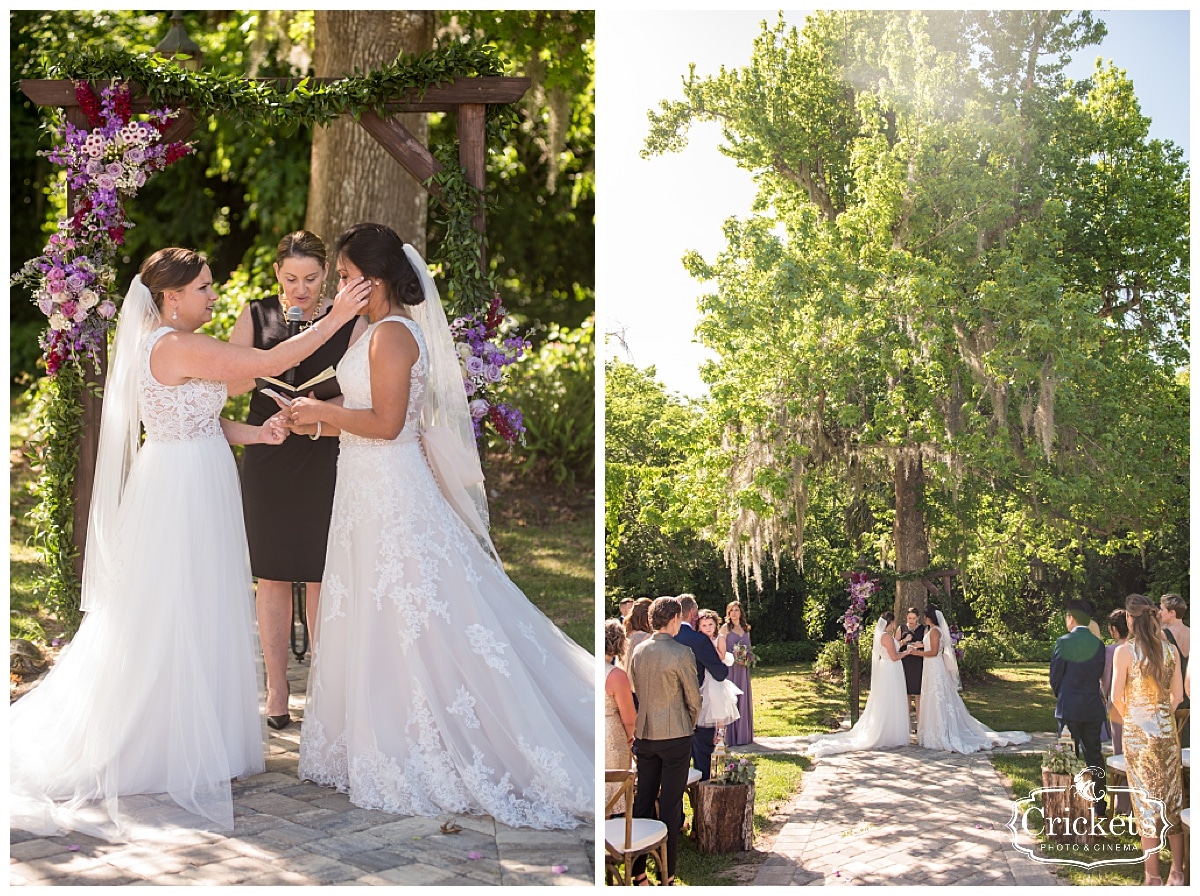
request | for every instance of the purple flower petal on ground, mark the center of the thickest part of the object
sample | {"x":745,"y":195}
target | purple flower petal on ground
{"x":73,"y":847}
{"x":474,"y":855}
{"x":559,"y":869}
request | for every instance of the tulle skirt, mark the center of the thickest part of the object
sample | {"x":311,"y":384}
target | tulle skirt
{"x":436,"y":685}
{"x":154,"y":706}
{"x":884,"y":722}
{"x":718,"y":703}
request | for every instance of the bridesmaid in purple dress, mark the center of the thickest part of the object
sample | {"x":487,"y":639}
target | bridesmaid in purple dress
{"x":735,"y":631}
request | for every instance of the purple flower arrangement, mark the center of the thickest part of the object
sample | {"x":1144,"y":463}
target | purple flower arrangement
{"x":956,"y":635}
{"x":861,"y":588}
{"x":484,"y":353}
{"x":106,"y":162}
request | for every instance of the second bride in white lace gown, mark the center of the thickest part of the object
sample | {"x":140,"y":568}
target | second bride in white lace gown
{"x":944,"y":722}
{"x":436,"y":686}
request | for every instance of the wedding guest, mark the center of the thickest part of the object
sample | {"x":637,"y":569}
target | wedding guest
{"x":620,"y":716}
{"x":707,"y":663}
{"x":637,"y":628}
{"x":624,"y":606}
{"x":719,"y":699}
{"x":287,"y":490}
{"x":159,"y":692}
{"x":912,"y":633}
{"x":1147,"y":686}
{"x":664,"y":675}
{"x":1118,"y":630}
{"x":736,"y":631}
{"x":1075,"y":671}
{"x":1170,"y":615}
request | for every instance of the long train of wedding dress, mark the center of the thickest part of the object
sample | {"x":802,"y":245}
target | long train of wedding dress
{"x":436,"y":686}
{"x":884,"y":722}
{"x":154,"y":706}
{"x":944,"y":722}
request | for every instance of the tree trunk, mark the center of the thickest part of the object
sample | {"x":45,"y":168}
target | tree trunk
{"x":912,"y":546}
{"x":724,"y":818}
{"x":353,"y":178}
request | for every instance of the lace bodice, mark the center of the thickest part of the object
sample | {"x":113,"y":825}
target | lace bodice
{"x":178,"y":413}
{"x":354,"y":375}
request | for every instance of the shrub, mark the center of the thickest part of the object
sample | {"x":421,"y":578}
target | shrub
{"x":834,"y":658}
{"x":785,"y":652}
{"x":979,"y":657}
{"x":1016,"y":647}
{"x":555,"y":391}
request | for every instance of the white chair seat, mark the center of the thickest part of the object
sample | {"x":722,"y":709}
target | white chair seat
{"x":1117,"y":764}
{"x":646,"y":832}
{"x":694,"y":775}
{"x":1187,"y":757}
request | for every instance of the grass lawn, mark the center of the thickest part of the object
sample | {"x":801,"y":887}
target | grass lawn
{"x":1024,"y":773}
{"x":790,"y":701}
{"x":547,"y":543}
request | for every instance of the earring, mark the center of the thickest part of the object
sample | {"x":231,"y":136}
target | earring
{"x":175,"y":313}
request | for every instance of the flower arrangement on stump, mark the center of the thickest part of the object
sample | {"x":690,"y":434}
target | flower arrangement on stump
{"x":72,"y":282}
{"x":484,"y":352}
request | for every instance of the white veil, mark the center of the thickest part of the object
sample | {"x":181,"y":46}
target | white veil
{"x":948,"y":657}
{"x":446,"y":410}
{"x":120,"y":437}
{"x":877,"y":651}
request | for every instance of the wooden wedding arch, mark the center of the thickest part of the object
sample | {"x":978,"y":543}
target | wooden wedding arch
{"x":466,"y":97}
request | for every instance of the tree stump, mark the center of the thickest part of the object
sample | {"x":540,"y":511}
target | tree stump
{"x":1068,"y":815}
{"x":725,"y":814}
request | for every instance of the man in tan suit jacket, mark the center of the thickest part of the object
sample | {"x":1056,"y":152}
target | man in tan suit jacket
{"x":664,"y":677}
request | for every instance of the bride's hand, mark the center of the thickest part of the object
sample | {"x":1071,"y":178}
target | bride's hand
{"x":306,"y":411}
{"x":274,"y":429}
{"x":351,"y":299}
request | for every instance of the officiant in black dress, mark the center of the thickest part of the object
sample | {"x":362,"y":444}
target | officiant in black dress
{"x":287,"y":489}
{"x":912,"y":632}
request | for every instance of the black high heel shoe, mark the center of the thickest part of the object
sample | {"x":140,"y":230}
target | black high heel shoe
{"x":278,"y":723}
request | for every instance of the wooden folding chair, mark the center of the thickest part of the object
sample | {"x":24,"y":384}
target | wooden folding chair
{"x":627,"y":838}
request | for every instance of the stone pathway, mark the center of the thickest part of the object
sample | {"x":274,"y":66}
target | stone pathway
{"x":287,"y":831}
{"x":905,"y":816}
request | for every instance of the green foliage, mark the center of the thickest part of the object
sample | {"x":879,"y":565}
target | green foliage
{"x":955,"y":256}
{"x":979,"y":657}
{"x":57,"y":407}
{"x":556,"y":392}
{"x":834,"y":659}
{"x":1009,"y":646}
{"x":782,"y":652}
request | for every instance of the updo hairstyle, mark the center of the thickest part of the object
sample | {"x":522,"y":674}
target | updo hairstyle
{"x":170,"y":268}
{"x":378,"y":252}
{"x":301,"y":244}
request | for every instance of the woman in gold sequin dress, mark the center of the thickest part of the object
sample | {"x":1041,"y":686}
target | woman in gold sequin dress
{"x":1147,"y":686}
{"x":619,"y":713}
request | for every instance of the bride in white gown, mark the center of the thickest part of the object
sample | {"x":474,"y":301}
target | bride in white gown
{"x":884,"y":722}
{"x":944,"y":722}
{"x":154,"y":706}
{"x":436,"y":686}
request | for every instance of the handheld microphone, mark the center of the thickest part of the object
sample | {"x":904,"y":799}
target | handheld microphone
{"x":294,"y":317}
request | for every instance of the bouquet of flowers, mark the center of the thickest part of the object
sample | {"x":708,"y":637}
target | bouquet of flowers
{"x":106,"y":162}
{"x":1061,"y":759}
{"x":860,"y":589}
{"x":484,"y":354}
{"x":743,"y":655}
{"x":737,"y":771}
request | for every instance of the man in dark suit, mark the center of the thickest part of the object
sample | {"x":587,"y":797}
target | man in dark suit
{"x":1075,"y":671}
{"x":707,"y":662}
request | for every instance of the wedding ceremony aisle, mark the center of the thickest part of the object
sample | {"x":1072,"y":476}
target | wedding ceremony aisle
{"x":288,"y":831}
{"x":898,"y":817}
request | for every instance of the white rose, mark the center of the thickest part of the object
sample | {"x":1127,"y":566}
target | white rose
{"x":88,"y":299}
{"x":57,"y":321}
{"x":464,"y":350}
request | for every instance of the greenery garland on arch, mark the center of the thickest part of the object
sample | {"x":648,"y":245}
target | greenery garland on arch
{"x":471,"y":289}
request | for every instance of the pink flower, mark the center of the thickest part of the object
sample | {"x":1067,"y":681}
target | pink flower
{"x":479,"y":408}
{"x":474,"y":855}
{"x":475,"y":366}
{"x":45,"y":303}
{"x":106,"y":310}
{"x":492,"y":373}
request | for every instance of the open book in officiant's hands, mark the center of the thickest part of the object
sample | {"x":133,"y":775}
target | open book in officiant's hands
{"x":323,"y":386}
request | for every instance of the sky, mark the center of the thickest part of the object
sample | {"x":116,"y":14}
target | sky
{"x":650,"y":212}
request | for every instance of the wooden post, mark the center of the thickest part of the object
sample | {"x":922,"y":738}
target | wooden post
{"x":854,"y":671}
{"x":472,"y":155}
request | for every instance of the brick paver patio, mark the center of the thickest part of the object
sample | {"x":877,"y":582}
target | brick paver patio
{"x":287,"y":831}
{"x":901,"y":816}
